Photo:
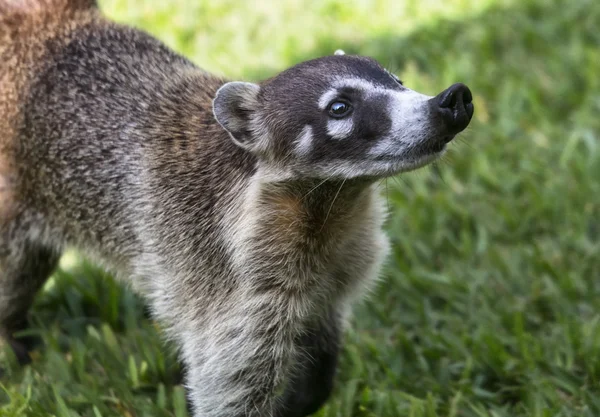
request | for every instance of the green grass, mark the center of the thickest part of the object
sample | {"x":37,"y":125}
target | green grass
{"x":490,"y":304}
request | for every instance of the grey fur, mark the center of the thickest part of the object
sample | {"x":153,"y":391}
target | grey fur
{"x":249,"y":251}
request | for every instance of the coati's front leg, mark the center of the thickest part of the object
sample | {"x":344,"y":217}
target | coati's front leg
{"x":313,"y":373}
{"x":24,"y":267}
{"x":239,"y":356}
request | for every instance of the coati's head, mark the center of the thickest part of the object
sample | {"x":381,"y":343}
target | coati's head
{"x":340,"y":116}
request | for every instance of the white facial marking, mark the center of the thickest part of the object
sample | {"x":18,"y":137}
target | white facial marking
{"x":305,"y":141}
{"x":410,"y":123}
{"x":327,"y":98}
{"x":340,"y":128}
{"x":365,"y":86}
{"x":339,"y":52}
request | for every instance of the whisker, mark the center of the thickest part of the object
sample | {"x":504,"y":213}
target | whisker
{"x":438,"y":172}
{"x":462,"y":140}
{"x":396,"y":181}
{"x":387,"y":195}
{"x":399,"y":177}
{"x":448,"y":158}
{"x":316,"y":186}
{"x":332,"y":203}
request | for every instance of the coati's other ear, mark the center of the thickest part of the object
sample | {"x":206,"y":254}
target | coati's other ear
{"x":234,"y":106}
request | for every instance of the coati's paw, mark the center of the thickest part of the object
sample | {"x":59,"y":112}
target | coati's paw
{"x":21,"y":351}
{"x":22,"y":347}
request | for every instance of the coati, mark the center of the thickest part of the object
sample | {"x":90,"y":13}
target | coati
{"x":247,"y":214}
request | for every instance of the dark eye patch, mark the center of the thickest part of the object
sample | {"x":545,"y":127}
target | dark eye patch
{"x":374,"y":121}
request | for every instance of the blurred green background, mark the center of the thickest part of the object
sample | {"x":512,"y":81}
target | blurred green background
{"x":490,"y":304}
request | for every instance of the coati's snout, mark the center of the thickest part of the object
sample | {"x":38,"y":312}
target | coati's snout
{"x":449,"y":113}
{"x":341,"y":117}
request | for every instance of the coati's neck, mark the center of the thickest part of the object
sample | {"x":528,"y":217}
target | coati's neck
{"x":303,"y":235}
{"x":316,"y":208}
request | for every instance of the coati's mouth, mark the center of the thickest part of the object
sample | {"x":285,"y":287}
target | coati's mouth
{"x":430,"y":148}
{"x":387,"y":166}
{"x":417,"y":157}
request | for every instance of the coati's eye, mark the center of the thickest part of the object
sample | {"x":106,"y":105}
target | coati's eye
{"x":398,"y":80}
{"x":339,"y":109}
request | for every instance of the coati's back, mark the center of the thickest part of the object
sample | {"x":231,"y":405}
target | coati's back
{"x":86,"y":106}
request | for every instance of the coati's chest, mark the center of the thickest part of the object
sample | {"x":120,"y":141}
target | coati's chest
{"x":319,"y":240}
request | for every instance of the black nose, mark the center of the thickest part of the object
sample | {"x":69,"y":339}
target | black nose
{"x":456,"y":107}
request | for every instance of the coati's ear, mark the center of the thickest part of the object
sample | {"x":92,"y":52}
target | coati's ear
{"x":234,"y":106}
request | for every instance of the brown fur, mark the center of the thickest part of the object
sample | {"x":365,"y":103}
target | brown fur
{"x":25,"y":27}
{"x":6,"y":193}
{"x":298,"y":217}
